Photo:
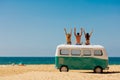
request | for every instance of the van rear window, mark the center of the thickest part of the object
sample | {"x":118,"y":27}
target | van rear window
{"x":75,"y":52}
{"x":98,"y":53}
{"x":64,"y":52}
{"x":86,"y":52}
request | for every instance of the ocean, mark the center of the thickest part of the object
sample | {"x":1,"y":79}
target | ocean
{"x":42,"y":60}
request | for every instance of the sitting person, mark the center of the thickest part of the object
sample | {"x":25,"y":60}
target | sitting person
{"x":78,"y":36}
{"x":68,"y":36}
{"x":87,"y":37}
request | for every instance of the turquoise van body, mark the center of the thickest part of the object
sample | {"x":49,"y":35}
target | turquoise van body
{"x":81,"y":57}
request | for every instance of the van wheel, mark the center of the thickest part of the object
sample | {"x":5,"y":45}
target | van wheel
{"x":64,"y":69}
{"x":98,"y":69}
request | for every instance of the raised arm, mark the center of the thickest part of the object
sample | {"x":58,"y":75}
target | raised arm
{"x":91,"y":32}
{"x":81,"y":31}
{"x":65,"y":31}
{"x":71,"y":31}
{"x":84,"y":32}
{"x":75,"y":31}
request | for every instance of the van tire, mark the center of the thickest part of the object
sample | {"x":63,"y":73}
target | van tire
{"x":64,"y":68}
{"x":98,"y":69}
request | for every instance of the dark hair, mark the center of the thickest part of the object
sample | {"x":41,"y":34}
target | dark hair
{"x":77,"y":33}
{"x":87,"y":36}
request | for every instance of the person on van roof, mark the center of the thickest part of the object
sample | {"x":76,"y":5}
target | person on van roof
{"x":78,"y":36}
{"x":68,"y":36}
{"x":87,"y":37}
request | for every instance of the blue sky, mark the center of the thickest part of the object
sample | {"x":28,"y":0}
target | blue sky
{"x":35,"y":27}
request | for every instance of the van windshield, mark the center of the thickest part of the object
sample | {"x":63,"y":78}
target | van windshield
{"x":98,"y":53}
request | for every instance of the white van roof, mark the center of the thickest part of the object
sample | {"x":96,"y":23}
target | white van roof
{"x":79,"y":46}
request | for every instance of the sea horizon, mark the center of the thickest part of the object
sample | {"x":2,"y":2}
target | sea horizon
{"x":42,"y":60}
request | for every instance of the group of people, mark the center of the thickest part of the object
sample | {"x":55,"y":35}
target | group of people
{"x":78,"y":36}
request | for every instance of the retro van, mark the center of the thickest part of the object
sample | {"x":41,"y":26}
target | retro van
{"x":81,"y":57}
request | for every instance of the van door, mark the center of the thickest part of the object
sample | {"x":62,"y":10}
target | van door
{"x":100,"y":58}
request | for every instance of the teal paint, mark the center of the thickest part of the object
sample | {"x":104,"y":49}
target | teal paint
{"x":81,"y":63}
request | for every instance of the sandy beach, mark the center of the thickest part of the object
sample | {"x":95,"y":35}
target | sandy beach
{"x":49,"y":72}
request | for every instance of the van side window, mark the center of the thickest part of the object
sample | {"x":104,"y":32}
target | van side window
{"x":86,"y":52}
{"x":75,"y":52}
{"x":98,"y":53}
{"x":64,"y":52}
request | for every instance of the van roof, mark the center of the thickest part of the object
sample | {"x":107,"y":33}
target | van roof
{"x":79,"y":46}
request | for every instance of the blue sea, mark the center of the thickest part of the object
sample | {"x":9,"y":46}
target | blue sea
{"x":43,"y":60}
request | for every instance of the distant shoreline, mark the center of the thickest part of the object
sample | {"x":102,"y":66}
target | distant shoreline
{"x":42,"y":60}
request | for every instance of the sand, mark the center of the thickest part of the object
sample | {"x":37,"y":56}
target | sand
{"x":49,"y":72}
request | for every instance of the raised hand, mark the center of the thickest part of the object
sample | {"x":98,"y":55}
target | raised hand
{"x":65,"y":30}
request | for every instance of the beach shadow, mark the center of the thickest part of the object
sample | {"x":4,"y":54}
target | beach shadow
{"x":112,"y":72}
